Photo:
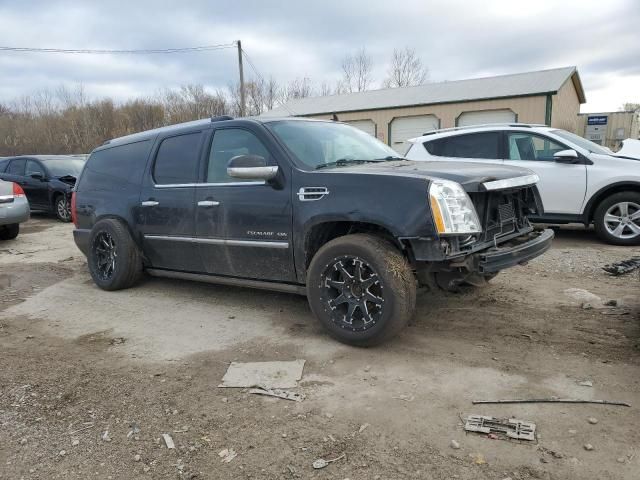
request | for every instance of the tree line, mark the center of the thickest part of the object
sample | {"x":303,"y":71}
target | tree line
{"x":65,"y":120}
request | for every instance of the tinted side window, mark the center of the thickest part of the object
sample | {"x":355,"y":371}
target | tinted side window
{"x":524,"y":146}
{"x":116,"y":168}
{"x":229,"y":143}
{"x":177,"y":159}
{"x":16,"y":167}
{"x":472,"y":145}
{"x":3,"y":165}
{"x":34,"y":167}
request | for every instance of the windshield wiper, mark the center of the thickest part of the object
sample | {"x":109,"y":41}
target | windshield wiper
{"x":346,"y":161}
{"x":390,"y":158}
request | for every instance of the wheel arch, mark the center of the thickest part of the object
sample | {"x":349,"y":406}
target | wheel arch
{"x":110,"y":216}
{"x":605,"y":192}
{"x":323,"y":231}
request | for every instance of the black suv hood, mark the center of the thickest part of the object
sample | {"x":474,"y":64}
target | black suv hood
{"x":469,"y":175}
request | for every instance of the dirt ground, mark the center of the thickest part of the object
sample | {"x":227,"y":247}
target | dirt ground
{"x":76,"y":362}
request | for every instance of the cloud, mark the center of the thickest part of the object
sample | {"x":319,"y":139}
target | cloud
{"x":288,"y":39}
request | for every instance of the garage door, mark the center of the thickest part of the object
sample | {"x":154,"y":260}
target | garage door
{"x":486,"y":116}
{"x":365,"y":125}
{"x":404,"y":128}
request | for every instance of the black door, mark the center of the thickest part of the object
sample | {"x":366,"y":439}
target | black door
{"x":166,"y":213}
{"x":15,"y":171}
{"x":35,"y":185}
{"x":243,"y":227}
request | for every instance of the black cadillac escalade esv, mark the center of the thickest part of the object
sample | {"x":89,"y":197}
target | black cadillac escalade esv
{"x":314,"y":207}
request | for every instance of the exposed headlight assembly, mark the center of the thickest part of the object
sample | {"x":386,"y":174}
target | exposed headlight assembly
{"x":453,"y":210}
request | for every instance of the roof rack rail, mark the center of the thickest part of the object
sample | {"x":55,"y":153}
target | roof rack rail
{"x":484,"y":125}
{"x":221,"y":118}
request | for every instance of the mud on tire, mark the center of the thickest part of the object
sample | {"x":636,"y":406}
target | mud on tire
{"x":362,"y":289}
{"x":114,"y":258}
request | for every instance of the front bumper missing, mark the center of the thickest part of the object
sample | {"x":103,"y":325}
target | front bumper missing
{"x":514,"y":252}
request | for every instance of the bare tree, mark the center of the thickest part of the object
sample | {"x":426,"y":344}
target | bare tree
{"x":356,"y":72}
{"x":298,"y":88}
{"x":406,"y":69}
{"x":630,"y":107}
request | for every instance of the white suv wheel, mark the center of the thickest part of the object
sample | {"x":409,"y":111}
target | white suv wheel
{"x":622,"y":220}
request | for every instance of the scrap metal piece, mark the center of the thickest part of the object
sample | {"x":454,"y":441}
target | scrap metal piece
{"x":509,"y":427}
{"x":622,"y":267}
{"x":279,"y":374}
{"x":276,"y":392}
{"x":551,"y":400}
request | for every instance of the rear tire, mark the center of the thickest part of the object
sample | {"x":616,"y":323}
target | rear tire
{"x":62,"y":209}
{"x":362,"y":289}
{"x":617,"y":219}
{"x":114,"y":258}
{"x":9,"y":232}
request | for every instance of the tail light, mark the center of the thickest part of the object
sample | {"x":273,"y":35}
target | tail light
{"x":17,"y":190}
{"x":74,"y":216}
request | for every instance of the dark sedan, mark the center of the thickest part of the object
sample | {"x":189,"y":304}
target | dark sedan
{"x":46,"y":179}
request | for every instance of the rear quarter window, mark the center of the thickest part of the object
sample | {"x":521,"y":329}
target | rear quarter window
{"x":472,"y":145}
{"x":116,"y":168}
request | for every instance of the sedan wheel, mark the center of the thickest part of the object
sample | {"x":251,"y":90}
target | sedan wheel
{"x":63,"y":209}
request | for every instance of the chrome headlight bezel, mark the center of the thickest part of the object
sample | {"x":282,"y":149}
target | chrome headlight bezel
{"x":452,"y":209}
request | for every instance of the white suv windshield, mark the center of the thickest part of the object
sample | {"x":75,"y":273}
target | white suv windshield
{"x":319,"y":144}
{"x":581,"y":142}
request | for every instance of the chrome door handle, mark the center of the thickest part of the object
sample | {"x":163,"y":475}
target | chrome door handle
{"x":208,"y":203}
{"x":150,"y":203}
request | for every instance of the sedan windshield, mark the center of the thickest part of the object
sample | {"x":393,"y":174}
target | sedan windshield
{"x":330,"y":144}
{"x":65,"y":166}
{"x":581,"y":142}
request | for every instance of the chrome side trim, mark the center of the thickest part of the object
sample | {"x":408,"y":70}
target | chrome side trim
{"x":221,"y":241}
{"x":201,"y":185}
{"x":238,"y":282}
{"x":511,"y":182}
{"x":310,"y":194}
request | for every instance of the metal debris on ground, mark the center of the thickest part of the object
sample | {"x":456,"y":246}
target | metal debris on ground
{"x":168,"y":441}
{"x":276,"y":392}
{"x":623,"y":267}
{"x":227,"y":454}
{"x":265,"y":375}
{"x":496,"y":427}
{"x":586,"y":383}
{"x":321,"y":462}
{"x":551,"y":400}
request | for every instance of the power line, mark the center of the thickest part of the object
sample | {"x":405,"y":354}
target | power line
{"x":149,"y":51}
{"x":261,"y":78}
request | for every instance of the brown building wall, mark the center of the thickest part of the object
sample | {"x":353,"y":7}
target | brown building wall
{"x":528,"y":110}
{"x":565,"y":108}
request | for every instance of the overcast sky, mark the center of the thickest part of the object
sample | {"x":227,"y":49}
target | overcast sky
{"x":288,"y":39}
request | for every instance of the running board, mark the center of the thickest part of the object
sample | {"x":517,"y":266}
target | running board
{"x":237,"y":282}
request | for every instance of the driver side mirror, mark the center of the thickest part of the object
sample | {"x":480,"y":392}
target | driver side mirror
{"x":37,"y":176}
{"x":566,"y":156}
{"x":251,"y":167}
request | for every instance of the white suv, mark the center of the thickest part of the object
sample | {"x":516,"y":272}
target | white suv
{"x":580,"y":181}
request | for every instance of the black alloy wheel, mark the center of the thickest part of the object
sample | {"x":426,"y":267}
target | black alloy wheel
{"x":106,"y":255}
{"x":353,"y":292}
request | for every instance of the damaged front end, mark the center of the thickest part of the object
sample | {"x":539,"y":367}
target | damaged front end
{"x":506,"y":237}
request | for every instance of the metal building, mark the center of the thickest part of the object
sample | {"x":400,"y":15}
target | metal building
{"x":609,"y":128}
{"x":551,"y":97}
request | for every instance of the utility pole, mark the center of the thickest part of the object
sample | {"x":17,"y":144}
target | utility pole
{"x":241,"y":78}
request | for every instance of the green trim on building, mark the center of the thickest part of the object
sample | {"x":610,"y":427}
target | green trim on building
{"x":548,"y":108}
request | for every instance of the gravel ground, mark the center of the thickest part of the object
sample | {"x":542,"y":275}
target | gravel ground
{"x":91,"y":380}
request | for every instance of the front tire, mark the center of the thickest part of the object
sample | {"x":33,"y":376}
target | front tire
{"x":9,"y":232}
{"x":114,"y":258}
{"x":362,"y":289}
{"x":62,"y":209}
{"x":617,"y":219}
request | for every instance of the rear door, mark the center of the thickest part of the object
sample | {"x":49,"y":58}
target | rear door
{"x":36,"y":189}
{"x":244,"y":227}
{"x":562,"y":186}
{"x":167,"y":203}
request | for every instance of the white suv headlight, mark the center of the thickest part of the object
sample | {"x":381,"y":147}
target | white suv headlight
{"x":453,"y":210}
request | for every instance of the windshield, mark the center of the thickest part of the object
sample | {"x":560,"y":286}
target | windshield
{"x":319,"y":144}
{"x":581,"y":142}
{"x":65,"y":166}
